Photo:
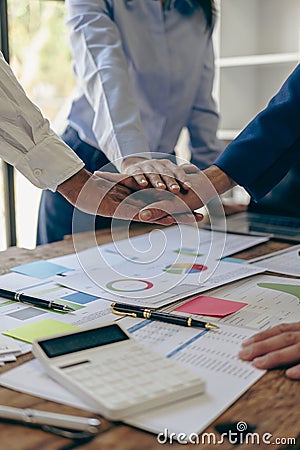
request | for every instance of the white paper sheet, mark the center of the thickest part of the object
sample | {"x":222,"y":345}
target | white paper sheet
{"x":271,"y":300}
{"x":285,"y":261}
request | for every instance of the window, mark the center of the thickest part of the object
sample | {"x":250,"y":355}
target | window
{"x":41,"y":60}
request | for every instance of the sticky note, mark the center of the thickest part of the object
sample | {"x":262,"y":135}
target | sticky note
{"x":234,"y":260}
{"x":80,"y":297}
{"x":40,"y":269}
{"x":211,"y":306}
{"x":40,"y":329}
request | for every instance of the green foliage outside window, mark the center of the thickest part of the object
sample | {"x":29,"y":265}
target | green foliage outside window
{"x":39,"y":51}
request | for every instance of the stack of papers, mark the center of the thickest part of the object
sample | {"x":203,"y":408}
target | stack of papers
{"x":10,"y":349}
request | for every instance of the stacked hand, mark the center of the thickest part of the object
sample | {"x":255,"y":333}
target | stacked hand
{"x":119,"y":196}
{"x":158,"y":173}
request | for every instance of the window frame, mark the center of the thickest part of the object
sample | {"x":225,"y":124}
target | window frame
{"x":8,"y":175}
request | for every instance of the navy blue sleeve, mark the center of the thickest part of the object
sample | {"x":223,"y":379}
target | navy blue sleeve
{"x":269,"y":146}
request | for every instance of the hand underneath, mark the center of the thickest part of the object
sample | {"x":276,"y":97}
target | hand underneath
{"x":159,"y":173}
{"x":279,"y":346}
{"x":100,"y":196}
{"x":156,"y":202}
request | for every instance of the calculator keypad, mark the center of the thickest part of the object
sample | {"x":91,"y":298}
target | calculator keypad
{"x":125,"y":383}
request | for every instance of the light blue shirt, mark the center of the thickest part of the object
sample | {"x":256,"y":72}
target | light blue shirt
{"x":143,"y":73}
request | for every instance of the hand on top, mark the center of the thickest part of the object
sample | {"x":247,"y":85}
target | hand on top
{"x":158,"y":173}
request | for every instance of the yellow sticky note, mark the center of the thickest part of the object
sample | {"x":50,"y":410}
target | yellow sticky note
{"x":36,"y":330}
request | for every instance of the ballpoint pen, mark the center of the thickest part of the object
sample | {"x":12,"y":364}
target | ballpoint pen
{"x":23,"y":298}
{"x":36,"y":417}
{"x":151,"y":314}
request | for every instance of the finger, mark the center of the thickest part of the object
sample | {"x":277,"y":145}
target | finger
{"x":188,"y":218}
{"x":180,"y":175}
{"x":169,"y":181}
{"x":153,"y":214}
{"x":174,"y":177}
{"x":155,"y":178}
{"x":293,"y":372}
{"x":137,"y":172}
{"x":283,"y":357}
{"x":269,"y":345}
{"x":278,"y":329}
{"x":176,"y":207}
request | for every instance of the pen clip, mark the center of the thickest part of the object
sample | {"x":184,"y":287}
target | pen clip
{"x":119,"y":313}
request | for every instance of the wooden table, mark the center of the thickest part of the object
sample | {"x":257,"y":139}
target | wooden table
{"x":271,"y":405}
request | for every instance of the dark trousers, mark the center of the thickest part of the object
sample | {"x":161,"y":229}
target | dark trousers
{"x":55,"y":212}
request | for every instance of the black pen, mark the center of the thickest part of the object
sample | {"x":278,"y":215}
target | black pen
{"x":151,"y":314}
{"x":23,"y":298}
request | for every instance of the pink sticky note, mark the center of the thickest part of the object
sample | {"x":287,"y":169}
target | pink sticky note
{"x":211,"y":306}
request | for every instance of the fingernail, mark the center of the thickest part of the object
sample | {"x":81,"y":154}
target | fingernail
{"x":260,"y":362}
{"x":188,"y":184}
{"x":143,"y":181}
{"x":247,"y":342}
{"x":145,"y":215}
{"x":174,"y":186}
{"x":292,"y":372}
{"x":245,"y":353}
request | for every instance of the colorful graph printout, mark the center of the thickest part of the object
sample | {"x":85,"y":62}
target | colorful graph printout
{"x":288,"y":288}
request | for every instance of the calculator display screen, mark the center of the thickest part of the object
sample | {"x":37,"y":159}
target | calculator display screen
{"x":83,"y":340}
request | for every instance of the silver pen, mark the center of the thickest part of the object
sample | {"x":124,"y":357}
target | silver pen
{"x":37,"y":417}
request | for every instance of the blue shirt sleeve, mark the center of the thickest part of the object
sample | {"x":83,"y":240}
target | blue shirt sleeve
{"x":270,"y":145}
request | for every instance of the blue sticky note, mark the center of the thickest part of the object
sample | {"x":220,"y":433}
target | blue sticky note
{"x":234,"y":260}
{"x":80,"y":297}
{"x":40,"y":269}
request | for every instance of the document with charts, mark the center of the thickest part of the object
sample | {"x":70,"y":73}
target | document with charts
{"x":270,"y":300}
{"x":157,"y":268}
{"x":134,"y":284}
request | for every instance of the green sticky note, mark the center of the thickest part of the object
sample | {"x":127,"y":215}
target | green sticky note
{"x":41,"y":329}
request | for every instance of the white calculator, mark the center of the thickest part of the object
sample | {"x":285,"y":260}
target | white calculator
{"x":106,"y":367}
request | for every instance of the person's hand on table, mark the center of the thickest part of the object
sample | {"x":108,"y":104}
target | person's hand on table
{"x":95,"y":195}
{"x":279,"y":346}
{"x":159,"y":173}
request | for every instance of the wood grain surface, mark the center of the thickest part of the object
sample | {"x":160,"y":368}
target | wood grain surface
{"x":269,"y":406}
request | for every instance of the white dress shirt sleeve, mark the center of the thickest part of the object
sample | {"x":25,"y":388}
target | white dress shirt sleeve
{"x":102,"y":73}
{"x":26,"y":140}
{"x":203,"y":121}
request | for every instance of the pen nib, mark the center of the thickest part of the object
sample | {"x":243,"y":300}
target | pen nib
{"x":68,"y":308}
{"x":211,"y":326}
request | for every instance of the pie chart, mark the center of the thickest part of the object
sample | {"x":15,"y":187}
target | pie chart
{"x":129,"y":285}
{"x":180,"y":268}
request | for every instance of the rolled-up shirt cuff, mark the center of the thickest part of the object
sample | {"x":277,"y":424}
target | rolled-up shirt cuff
{"x":49,"y":163}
